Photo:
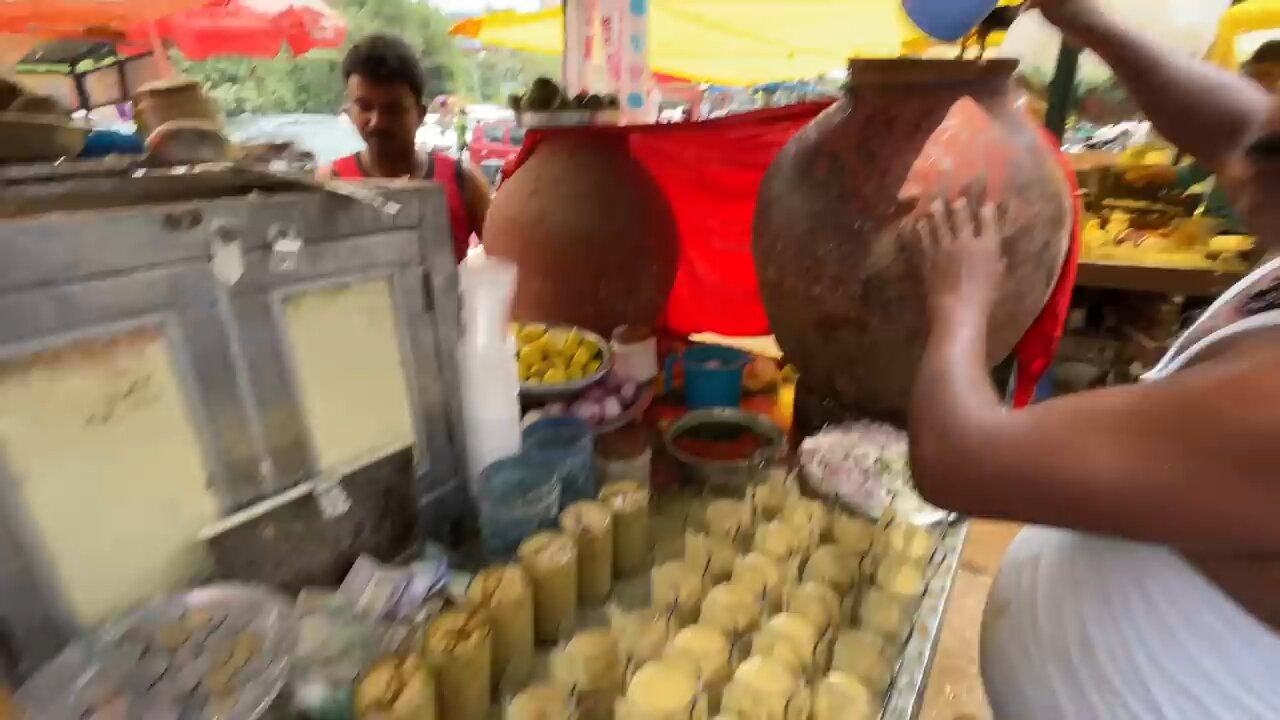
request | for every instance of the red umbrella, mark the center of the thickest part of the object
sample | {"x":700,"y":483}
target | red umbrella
{"x":247,"y":28}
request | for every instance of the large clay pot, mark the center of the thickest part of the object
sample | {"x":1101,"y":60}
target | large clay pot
{"x":592,"y":234}
{"x":835,"y":240}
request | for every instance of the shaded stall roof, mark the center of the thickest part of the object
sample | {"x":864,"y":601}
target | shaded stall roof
{"x":65,"y":55}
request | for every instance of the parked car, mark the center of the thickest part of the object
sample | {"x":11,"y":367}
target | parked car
{"x":493,"y":144}
{"x":499,"y":141}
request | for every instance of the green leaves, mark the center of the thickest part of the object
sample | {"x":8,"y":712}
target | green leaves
{"x":313,"y":83}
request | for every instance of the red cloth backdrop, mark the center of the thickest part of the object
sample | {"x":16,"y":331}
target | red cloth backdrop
{"x":711,"y":172}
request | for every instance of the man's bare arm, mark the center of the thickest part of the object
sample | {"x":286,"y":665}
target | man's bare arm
{"x":1205,"y":110}
{"x":1188,"y":461}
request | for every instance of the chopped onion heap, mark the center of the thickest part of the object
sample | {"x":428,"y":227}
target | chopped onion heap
{"x":600,"y":405}
{"x":864,"y":465}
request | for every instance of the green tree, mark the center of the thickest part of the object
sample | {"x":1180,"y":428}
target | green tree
{"x":497,"y":73}
{"x":313,"y":83}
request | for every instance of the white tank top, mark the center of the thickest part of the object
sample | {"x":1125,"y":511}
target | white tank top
{"x":1083,"y":627}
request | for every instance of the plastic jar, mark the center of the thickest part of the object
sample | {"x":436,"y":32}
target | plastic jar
{"x":831,"y":565}
{"x":710,"y":648}
{"x":624,"y":454}
{"x":459,"y":652}
{"x":541,"y":702}
{"x":678,"y":588}
{"x":732,"y":608}
{"x":729,"y":520}
{"x":666,"y":689}
{"x":715,"y":555}
{"x":764,"y":689}
{"x":853,"y":533}
{"x":550,"y":559}
{"x":592,"y":664}
{"x":790,"y":639}
{"x":841,"y":696}
{"x":866,"y":656}
{"x":505,"y":593}
{"x":632,"y":547}
{"x":590,"y":523}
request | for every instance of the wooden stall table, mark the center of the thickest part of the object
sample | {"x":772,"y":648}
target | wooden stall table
{"x":1188,"y":282}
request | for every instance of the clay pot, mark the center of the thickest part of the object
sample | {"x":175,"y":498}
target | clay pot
{"x":165,"y":101}
{"x":592,"y":234}
{"x":835,"y":240}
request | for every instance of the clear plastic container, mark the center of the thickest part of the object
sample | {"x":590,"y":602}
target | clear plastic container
{"x":519,"y":497}
{"x":568,"y":445}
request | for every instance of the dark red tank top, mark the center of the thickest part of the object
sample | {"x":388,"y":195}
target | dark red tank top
{"x":441,"y":169}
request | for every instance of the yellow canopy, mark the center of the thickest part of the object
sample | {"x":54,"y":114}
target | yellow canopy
{"x":1243,"y":19}
{"x":734,"y":42}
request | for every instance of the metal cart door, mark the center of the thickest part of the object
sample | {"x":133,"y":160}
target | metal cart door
{"x":336,"y":328}
{"x":121,"y":428}
{"x":163,"y":366}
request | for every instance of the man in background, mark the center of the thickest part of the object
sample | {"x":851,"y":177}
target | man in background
{"x":384,"y":99}
{"x":460,"y":127}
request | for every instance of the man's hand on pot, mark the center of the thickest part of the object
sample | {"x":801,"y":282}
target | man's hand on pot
{"x":963,"y":263}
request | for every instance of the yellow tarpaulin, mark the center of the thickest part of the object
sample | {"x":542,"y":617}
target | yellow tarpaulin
{"x":1248,"y":17}
{"x":733,"y":42}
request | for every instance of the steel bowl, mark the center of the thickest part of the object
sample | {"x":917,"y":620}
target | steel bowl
{"x":729,"y":477}
{"x":566,"y":390}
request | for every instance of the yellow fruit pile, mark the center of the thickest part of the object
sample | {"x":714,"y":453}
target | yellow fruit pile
{"x":554,"y":356}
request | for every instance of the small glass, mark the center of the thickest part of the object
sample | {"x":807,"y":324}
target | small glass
{"x":567,"y":444}
{"x":518,"y":497}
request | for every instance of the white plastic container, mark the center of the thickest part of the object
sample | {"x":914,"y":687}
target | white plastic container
{"x":487,"y":367}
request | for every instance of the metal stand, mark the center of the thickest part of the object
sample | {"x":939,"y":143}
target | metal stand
{"x":1062,"y":89}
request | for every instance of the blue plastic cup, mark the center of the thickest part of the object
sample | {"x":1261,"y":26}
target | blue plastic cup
{"x":948,"y":20}
{"x":712,"y":376}
{"x":567,"y":444}
{"x":519,"y":497}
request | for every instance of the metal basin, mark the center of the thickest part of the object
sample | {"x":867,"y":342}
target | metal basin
{"x":727,"y":477}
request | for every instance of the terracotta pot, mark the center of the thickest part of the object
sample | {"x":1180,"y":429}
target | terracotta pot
{"x":835,"y":241}
{"x":165,"y":101}
{"x":592,"y":234}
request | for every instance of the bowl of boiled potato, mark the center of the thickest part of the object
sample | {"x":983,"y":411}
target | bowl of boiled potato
{"x":559,"y":360}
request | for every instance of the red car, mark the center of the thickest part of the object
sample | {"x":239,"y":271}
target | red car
{"x":498,"y":140}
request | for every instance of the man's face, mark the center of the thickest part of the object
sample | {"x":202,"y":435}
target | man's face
{"x":387,"y":115}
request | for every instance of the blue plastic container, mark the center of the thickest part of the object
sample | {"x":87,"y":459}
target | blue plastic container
{"x":712,"y":375}
{"x":520,"y":496}
{"x":948,"y":20}
{"x":566,"y":444}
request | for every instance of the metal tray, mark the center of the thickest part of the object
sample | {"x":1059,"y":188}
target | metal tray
{"x":911,"y":678}
{"x":671,"y":514}
{"x":122,"y":660}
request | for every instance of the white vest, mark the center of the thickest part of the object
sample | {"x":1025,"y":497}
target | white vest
{"x":1082,"y":627}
